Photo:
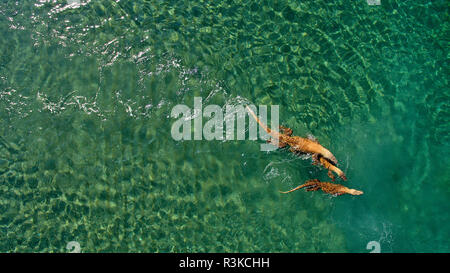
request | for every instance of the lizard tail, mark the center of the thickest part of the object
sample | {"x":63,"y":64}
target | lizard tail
{"x":273,"y":133}
{"x":294,"y":189}
{"x":257,"y":119}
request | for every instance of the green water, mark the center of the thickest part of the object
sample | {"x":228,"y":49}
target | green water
{"x":86,"y":152}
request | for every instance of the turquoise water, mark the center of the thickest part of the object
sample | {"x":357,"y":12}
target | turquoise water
{"x":86,"y":153}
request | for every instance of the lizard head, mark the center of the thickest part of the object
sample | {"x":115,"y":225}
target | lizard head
{"x":354,"y":192}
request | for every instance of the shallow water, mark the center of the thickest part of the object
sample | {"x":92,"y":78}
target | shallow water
{"x":86,"y":153}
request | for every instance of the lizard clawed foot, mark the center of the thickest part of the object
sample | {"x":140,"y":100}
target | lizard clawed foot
{"x":285,"y":130}
{"x":331,"y":175}
{"x":315,"y":159}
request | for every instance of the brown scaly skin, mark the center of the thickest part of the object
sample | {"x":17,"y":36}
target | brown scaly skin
{"x":300,"y":145}
{"x":327,"y":187}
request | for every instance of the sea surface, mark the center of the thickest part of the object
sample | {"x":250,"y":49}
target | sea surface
{"x":87,"y":158}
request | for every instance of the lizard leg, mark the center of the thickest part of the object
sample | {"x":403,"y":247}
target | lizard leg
{"x":285,"y":130}
{"x":315,"y":159}
{"x":331,"y":175}
{"x":313,"y":181}
{"x":312,"y":188}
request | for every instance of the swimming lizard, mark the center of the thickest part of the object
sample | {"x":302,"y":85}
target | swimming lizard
{"x":334,"y":189}
{"x":300,"y":145}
